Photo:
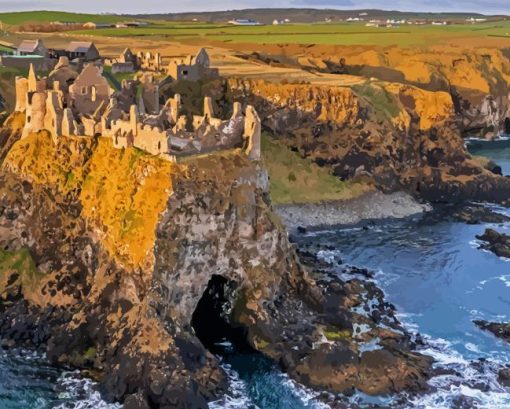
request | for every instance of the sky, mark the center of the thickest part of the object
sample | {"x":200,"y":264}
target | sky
{"x":175,"y":6}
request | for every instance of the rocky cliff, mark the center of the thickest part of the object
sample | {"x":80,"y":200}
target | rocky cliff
{"x":135,"y":268}
{"x":402,"y":136}
{"x":476,"y":74}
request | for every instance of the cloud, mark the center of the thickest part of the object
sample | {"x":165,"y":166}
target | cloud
{"x":172,"y":6}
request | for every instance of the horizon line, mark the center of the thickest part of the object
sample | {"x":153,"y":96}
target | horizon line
{"x":260,"y":9}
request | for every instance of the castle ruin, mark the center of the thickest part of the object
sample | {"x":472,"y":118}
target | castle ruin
{"x":67,"y":103}
{"x":192,"y":68}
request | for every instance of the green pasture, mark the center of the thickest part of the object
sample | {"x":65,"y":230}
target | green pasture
{"x":24,"y":17}
{"x":331,"y":34}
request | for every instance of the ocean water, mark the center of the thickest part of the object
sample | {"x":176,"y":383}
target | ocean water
{"x":500,"y":156}
{"x":429,"y":267}
{"x":27,"y":381}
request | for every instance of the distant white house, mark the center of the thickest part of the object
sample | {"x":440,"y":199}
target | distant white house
{"x":277,"y":22}
{"x":476,"y":20}
{"x":244,"y":22}
{"x":32,"y":47}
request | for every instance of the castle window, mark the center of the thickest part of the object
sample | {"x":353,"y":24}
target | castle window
{"x":83,"y":90}
{"x":159,"y":145}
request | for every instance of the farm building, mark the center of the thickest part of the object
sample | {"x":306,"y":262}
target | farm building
{"x":32,"y":47}
{"x":83,"y":50}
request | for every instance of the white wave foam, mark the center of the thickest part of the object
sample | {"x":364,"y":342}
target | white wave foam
{"x":237,"y":396}
{"x":81,"y":393}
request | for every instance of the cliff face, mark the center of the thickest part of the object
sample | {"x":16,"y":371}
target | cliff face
{"x":135,"y":268}
{"x":401,"y":136}
{"x":476,"y":77}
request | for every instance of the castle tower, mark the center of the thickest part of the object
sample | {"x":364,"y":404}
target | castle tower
{"x":32,"y":79}
{"x":133,"y":119}
{"x":36,"y":112}
{"x":21,"y":85}
{"x":68,"y":124}
{"x":54,"y":113}
{"x":208,"y":108}
{"x":252,"y":133}
{"x":237,"y":110}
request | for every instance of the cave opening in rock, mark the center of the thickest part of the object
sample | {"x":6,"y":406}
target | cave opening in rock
{"x":212,"y":318}
{"x":507,"y":126}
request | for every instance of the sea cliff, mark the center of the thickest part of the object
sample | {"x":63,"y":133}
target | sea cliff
{"x":121,"y":263}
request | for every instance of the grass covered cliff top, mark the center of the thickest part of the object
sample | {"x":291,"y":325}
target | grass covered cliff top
{"x":294,"y":179}
{"x":122,"y":192}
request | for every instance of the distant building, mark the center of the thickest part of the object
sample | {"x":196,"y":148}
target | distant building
{"x":92,"y":25}
{"x":32,"y":47}
{"x":64,"y":23}
{"x":125,"y":63}
{"x":476,"y":20}
{"x":244,"y":22}
{"x":86,"y":51}
{"x":192,"y":68}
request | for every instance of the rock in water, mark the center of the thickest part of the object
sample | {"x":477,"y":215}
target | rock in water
{"x":498,"y":243}
{"x":499,"y":329}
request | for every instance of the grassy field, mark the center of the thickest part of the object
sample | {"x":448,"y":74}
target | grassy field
{"x":332,"y":34}
{"x":298,"y":180}
{"x":23,"y":17}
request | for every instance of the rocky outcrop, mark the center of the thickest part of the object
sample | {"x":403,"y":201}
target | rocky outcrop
{"x":477,"y":78}
{"x":135,"y":267}
{"x":403,"y":137}
{"x":498,"y":243}
{"x":499,"y":329}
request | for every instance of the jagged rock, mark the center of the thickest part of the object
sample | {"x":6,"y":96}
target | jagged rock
{"x":498,"y":243}
{"x":504,"y":377}
{"x":499,"y":329}
{"x":473,"y":214}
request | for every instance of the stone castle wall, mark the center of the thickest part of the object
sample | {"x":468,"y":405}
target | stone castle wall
{"x":90,"y":109}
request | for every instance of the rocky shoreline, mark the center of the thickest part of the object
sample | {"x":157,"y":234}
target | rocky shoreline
{"x":370,"y":206}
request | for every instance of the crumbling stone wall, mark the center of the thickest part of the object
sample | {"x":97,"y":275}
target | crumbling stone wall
{"x":89,"y":91}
